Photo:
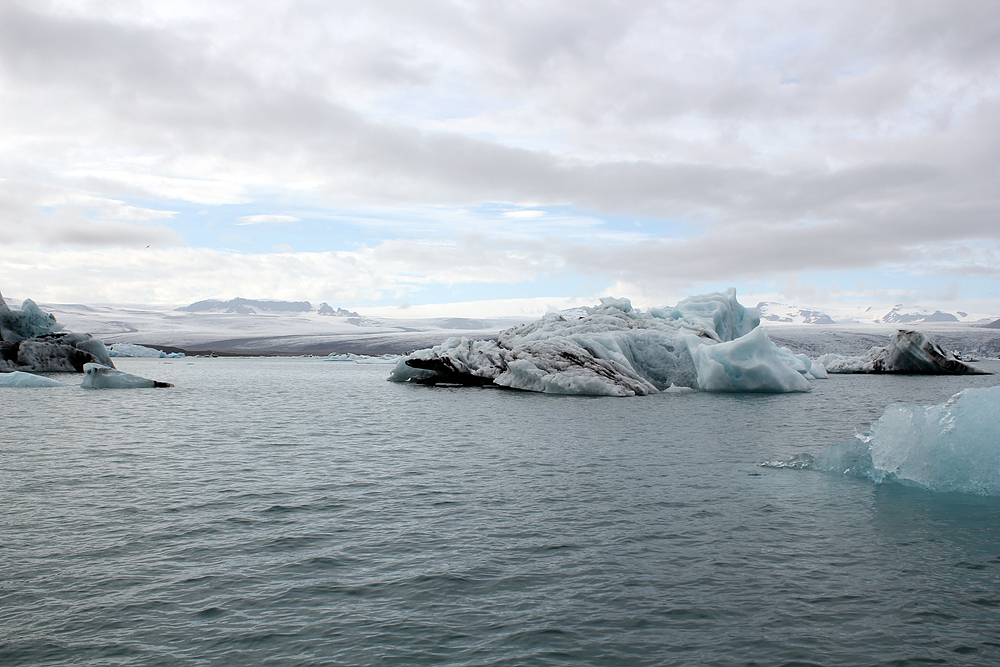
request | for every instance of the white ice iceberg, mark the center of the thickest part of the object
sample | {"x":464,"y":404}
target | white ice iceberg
{"x":103,"y":377}
{"x":21,"y":379}
{"x":133,"y":350}
{"x":709,"y":342}
{"x":954,"y":446}
{"x":907,"y":352}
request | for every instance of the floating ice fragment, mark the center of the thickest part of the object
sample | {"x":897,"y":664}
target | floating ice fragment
{"x":954,"y":446}
{"x":102,"y":377}
{"x":133,"y":350}
{"x":21,"y":379}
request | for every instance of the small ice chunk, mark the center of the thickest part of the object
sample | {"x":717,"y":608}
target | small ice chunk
{"x":102,"y":377}
{"x":21,"y":379}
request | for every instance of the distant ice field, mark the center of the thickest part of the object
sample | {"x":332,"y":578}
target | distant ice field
{"x":305,"y":511}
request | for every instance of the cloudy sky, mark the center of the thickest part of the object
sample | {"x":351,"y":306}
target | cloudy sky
{"x":390,"y":155}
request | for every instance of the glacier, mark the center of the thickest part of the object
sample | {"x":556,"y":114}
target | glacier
{"x":98,"y":376}
{"x":708,"y":342}
{"x":954,"y":446}
{"x":907,"y":352}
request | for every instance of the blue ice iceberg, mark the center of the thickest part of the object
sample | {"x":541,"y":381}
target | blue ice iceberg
{"x":709,"y":342}
{"x":954,"y":446}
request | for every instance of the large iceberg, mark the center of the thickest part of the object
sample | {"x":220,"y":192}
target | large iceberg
{"x":708,"y":342}
{"x":907,"y":352}
{"x":33,"y":341}
{"x":954,"y":446}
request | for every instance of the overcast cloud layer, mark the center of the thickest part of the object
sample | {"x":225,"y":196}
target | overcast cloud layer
{"x":383,"y":153}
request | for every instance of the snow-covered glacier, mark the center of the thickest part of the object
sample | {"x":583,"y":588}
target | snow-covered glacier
{"x":954,"y":446}
{"x":709,"y":342}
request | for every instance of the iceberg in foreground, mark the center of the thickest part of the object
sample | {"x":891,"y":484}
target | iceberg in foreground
{"x":709,"y":342}
{"x":954,"y":446}
{"x":103,"y":377}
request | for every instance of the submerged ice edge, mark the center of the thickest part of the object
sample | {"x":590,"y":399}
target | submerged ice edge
{"x":950,"y":447}
{"x":709,"y":342}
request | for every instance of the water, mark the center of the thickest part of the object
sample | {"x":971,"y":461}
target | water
{"x":304,"y":512}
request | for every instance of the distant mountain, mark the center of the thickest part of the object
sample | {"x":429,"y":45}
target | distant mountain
{"x":993,"y":325}
{"x":327,"y":309}
{"x":899,"y":316}
{"x":248,"y":306}
{"x":768,"y":311}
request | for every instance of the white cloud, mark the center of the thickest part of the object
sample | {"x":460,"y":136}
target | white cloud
{"x":266,"y":219}
{"x":782,"y":137}
{"x":524,"y":214}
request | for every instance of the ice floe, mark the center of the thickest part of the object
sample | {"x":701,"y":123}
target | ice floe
{"x":103,"y":377}
{"x":20,"y":379}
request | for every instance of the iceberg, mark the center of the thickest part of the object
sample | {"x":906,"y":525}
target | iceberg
{"x":133,"y":350}
{"x":21,"y":379}
{"x":708,"y":342}
{"x":907,"y":352}
{"x":102,"y":377}
{"x":33,"y":341}
{"x":954,"y":446}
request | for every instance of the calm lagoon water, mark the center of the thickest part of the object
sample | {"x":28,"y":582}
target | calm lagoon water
{"x":307,"y":512}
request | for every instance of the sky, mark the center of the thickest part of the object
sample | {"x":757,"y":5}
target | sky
{"x":500,"y":158}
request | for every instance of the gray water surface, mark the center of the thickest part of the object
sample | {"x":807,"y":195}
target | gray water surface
{"x":307,"y":512}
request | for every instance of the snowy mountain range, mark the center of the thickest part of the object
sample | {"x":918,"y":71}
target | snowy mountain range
{"x":780,"y":313}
